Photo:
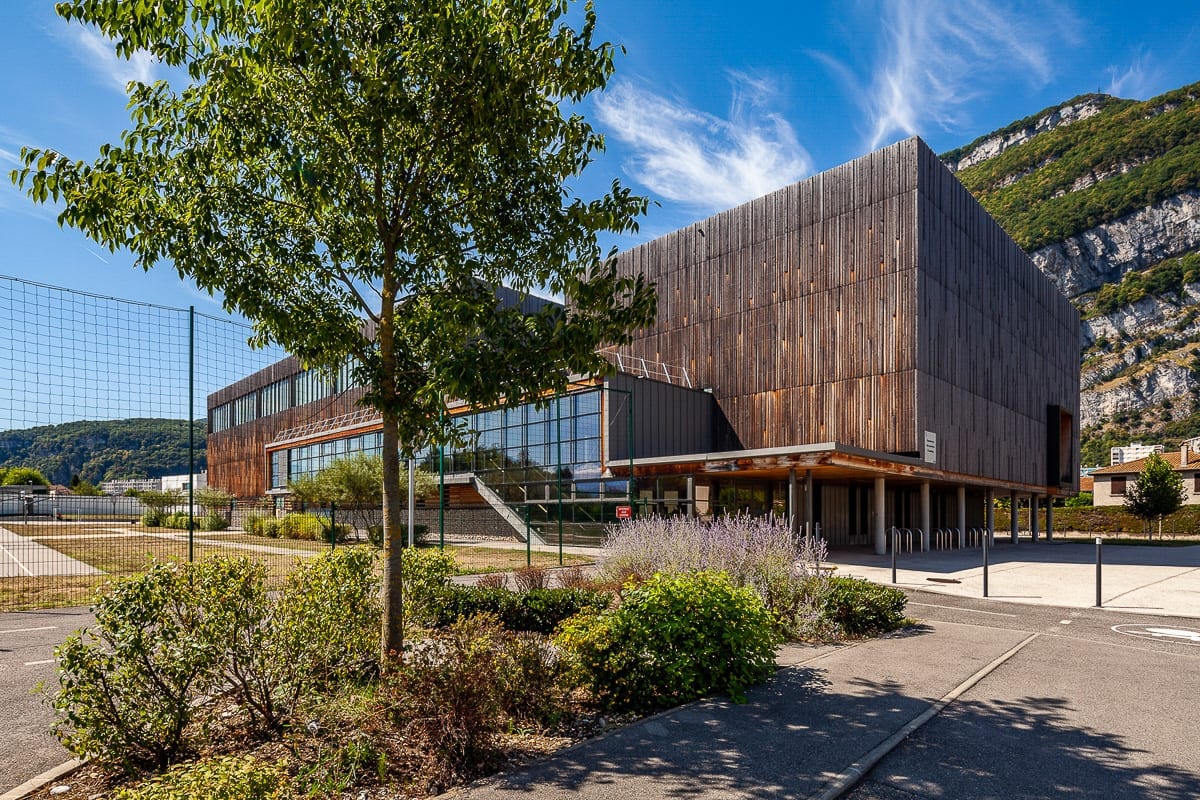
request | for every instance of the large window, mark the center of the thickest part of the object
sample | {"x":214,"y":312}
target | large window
{"x":313,"y":385}
{"x":308,"y":460}
{"x":245,"y":408}
{"x":222,"y":418}
{"x":277,"y":397}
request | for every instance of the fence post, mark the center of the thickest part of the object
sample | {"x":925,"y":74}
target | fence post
{"x":528,"y":538}
{"x":332,"y":526}
{"x":191,"y":431}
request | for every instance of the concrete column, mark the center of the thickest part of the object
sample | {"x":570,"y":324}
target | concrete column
{"x":793,"y":504}
{"x":691,"y":495}
{"x":808,"y":502}
{"x":925,"y":517}
{"x":1049,"y":518}
{"x":1034,"y":523}
{"x":991,"y":516}
{"x":962,"y":517}
{"x":877,"y":530}
{"x":1015,"y":505}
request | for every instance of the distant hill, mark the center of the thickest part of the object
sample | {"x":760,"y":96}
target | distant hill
{"x":104,"y":450}
{"x":1104,"y":194}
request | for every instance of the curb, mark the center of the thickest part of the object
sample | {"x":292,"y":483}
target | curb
{"x":849,"y":777}
{"x":49,"y":776}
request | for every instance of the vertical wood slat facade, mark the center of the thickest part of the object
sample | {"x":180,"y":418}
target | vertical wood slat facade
{"x":865,"y":306}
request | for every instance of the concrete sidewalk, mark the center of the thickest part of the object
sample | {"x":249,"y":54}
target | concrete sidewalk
{"x":1141,"y":579}
{"x":805,"y":733}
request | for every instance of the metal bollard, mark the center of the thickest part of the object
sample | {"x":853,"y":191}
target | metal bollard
{"x":1099,"y":560}
{"x":895,"y":538}
{"x":985,"y":566}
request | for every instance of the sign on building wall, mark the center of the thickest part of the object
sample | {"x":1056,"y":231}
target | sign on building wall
{"x":930,"y":447}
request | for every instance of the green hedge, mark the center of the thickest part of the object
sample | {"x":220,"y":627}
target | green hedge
{"x":861,"y":608}
{"x":538,"y":610}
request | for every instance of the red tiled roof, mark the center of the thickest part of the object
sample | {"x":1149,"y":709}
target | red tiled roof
{"x":1134,"y":467}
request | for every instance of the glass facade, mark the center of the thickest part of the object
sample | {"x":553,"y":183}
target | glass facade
{"x":295,"y":390}
{"x":307,"y":460}
{"x":540,"y":461}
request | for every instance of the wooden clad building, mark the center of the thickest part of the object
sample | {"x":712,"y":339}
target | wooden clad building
{"x":878,"y":308}
{"x":864,"y":348}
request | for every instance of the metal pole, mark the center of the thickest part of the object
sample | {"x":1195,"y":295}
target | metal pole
{"x":441,"y":488}
{"x":629,"y":443}
{"x":894,"y":540}
{"x":412,"y":501}
{"x":986,"y":537}
{"x":558,"y":470}
{"x":1099,"y":560}
{"x":332,"y":526}
{"x":528,"y":539}
{"x":191,"y":430}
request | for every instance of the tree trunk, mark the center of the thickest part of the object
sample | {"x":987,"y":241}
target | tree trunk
{"x":393,"y":577}
{"x":393,"y":545}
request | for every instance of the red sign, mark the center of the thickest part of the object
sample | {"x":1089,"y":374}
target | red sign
{"x":624,"y":512}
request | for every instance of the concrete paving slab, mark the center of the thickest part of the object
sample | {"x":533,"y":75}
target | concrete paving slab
{"x":795,"y":734}
{"x":22,"y":557}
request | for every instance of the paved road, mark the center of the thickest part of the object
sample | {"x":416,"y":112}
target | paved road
{"x":1083,"y":711}
{"x":27,"y":640}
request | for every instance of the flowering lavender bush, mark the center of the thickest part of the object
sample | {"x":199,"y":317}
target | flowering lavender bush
{"x":759,"y":552}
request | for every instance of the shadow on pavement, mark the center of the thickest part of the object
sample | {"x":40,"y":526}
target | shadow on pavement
{"x":1029,"y":748}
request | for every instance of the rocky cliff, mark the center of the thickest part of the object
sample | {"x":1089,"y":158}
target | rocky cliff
{"x":1104,"y":194}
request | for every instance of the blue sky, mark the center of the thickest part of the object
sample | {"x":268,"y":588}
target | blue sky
{"x":713,"y":102}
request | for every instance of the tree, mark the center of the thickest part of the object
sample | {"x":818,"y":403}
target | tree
{"x":356,"y":178}
{"x":86,"y":488}
{"x":355,"y":484}
{"x":23,"y":476}
{"x":1158,"y":492}
{"x":212,"y":499}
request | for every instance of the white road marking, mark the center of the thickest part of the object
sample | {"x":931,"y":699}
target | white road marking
{"x":31,"y":630}
{"x":39,"y":663}
{"x":1178,"y":635}
{"x":1065,"y":622}
{"x":16,"y":560}
{"x":957,"y":608}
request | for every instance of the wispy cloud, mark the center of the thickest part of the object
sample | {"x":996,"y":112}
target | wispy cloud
{"x":934,"y":58}
{"x":9,"y":157}
{"x":1139,"y":80}
{"x":97,"y":53}
{"x":700,"y":159}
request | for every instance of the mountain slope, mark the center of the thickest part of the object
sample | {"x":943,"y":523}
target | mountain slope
{"x":1104,"y":194}
{"x":103,"y":450}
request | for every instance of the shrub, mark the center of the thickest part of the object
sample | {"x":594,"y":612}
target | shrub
{"x":673,"y":639}
{"x":861,"y":608}
{"x":375,"y":533}
{"x":253,"y":523}
{"x":213,"y":522}
{"x":323,"y":630}
{"x":456,"y":690}
{"x":303,"y":526}
{"x":759,"y":552}
{"x":225,"y":778}
{"x":530,"y":577}
{"x":427,"y":573}
{"x":163,"y":639}
{"x":572,"y":577}
{"x":272,"y":527}
{"x":492,"y":580}
{"x":152,"y":518}
{"x":127,"y":683}
{"x":538,"y":610}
